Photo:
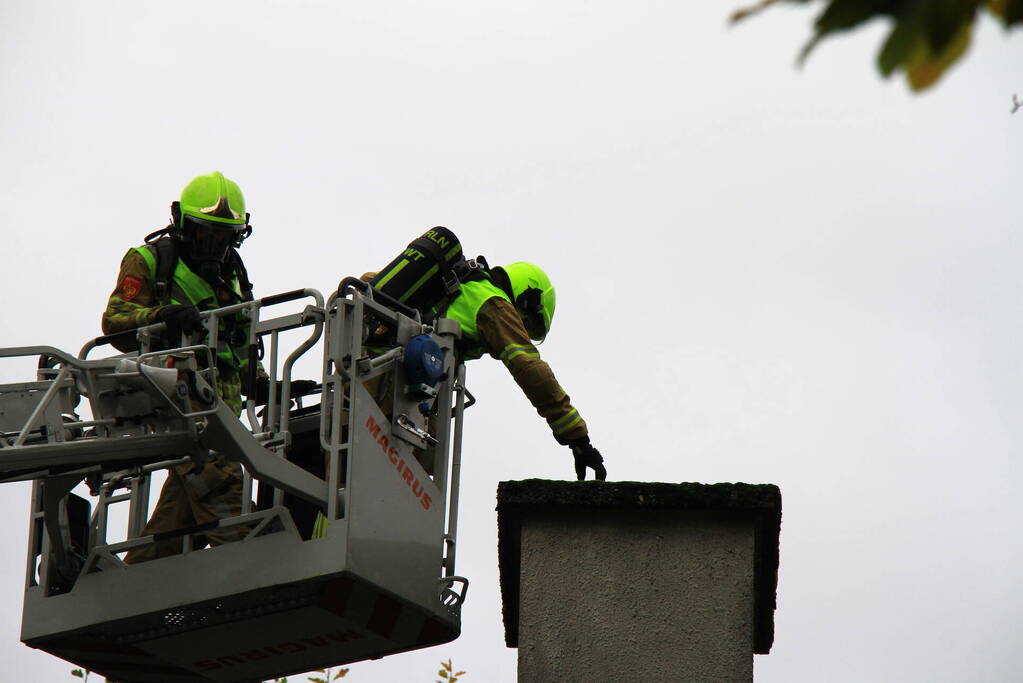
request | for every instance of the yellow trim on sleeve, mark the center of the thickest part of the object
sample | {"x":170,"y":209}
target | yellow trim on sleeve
{"x":566,"y":421}
{"x":513,"y":350}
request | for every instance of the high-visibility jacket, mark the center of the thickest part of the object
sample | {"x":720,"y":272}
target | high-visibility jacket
{"x":133,"y":304}
{"x":189,"y":288}
{"x":465,"y":309}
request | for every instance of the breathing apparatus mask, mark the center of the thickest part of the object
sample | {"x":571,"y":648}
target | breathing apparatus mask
{"x":207,"y":242}
{"x":530,"y":307}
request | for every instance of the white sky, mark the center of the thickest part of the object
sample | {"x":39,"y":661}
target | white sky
{"x":764,"y":275}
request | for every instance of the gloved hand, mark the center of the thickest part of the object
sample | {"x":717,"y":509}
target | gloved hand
{"x":260,"y":393}
{"x":302,"y":387}
{"x":179,"y":318}
{"x":587,"y":456}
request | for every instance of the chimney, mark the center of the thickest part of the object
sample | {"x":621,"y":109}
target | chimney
{"x":638,"y":581}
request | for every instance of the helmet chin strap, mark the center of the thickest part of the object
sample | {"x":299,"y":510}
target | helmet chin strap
{"x":175,"y":226}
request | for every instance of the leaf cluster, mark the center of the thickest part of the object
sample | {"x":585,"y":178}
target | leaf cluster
{"x":926,"y":38}
{"x":327,"y":673}
{"x":448,"y":674}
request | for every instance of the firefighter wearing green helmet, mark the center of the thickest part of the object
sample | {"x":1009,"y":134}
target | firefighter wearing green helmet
{"x":501,"y":311}
{"x":192,"y":265}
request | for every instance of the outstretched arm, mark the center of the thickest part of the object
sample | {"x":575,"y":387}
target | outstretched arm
{"x":506,"y":339}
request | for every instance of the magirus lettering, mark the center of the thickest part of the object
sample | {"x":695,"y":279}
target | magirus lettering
{"x":407,"y":475}
{"x":279,"y":650}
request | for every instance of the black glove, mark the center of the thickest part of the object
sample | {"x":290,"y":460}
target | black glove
{"x":303,"y":387}
{"x":587,"y":456}
{"x":260,"y":393}
{"x":179,"y":318}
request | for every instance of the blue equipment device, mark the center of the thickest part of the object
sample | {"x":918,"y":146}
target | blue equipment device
{"x":424,"y":367}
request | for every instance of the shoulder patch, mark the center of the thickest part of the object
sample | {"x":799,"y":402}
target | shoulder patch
{"x":130,"y":287}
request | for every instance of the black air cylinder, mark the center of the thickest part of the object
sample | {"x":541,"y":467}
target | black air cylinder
{"x":415,"y":277}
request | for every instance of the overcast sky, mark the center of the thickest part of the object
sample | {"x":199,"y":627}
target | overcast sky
{"x":806,"y":277}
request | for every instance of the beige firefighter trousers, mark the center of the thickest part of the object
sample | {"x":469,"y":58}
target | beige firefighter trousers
{"x":191,"y":499}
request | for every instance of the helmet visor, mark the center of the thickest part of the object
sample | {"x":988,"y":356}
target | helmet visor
{"x":210,"y":240}
{"x":531,"y":307}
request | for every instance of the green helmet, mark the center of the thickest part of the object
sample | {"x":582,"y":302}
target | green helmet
{"x":214,"y":198}
{"x":533,"y":295}
{"x":210,"y":218}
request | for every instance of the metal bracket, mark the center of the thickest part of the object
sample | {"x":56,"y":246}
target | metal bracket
{"x":470,"y":400}
{"x":450,"y":596}
{"x":408,"y":425}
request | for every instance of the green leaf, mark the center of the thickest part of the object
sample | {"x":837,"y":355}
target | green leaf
{"x":945,"y":21}
{"x":442,"y":673}
{"x":318,"y":679}
{"x":841,"y":15}
{"x":899,"y":43}
{"x":78,"y":673}
{"x":924,"y":68}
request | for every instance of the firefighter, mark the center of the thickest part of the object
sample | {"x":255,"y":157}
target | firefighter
{"x":189,"y":266}
{"x":501,"y":311}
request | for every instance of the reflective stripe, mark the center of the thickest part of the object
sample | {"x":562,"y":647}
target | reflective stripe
{"x":525,"y":347}
{"x":194,"y":287}
{"x":149,"y":257}
{"x":569,"y":426}
{"x":320,"y":526}
{"x":419,"y":283}
{"x":513,"y":350}
{"x":532,"y":354}
{"x":394,"y":271}
{"x":566,"y":421}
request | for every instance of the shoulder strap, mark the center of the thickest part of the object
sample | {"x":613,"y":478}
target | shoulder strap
{"x":166,"y":262}
{"x":239,"y":272}
{"x":469,"y":270}
{"x":462,"y":271}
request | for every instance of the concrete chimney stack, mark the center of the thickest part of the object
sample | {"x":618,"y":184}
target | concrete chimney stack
{"x":636,"y":581}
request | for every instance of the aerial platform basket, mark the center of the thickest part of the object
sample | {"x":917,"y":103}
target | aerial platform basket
{"x":348,"y":553}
